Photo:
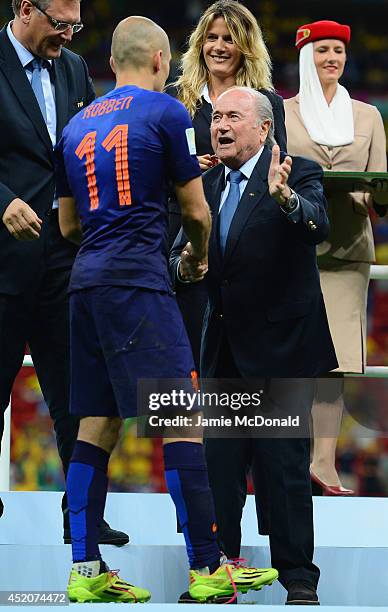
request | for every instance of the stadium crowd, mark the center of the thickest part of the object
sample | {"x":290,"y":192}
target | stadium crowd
{"x":279,"y":21}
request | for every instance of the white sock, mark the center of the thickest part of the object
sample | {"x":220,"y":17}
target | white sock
{"x":88,"y":569}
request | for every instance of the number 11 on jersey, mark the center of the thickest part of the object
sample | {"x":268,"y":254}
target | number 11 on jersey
{"x":117,"y":139}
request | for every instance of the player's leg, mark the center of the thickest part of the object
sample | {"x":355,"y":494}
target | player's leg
{"x":156,"y":347}
{"x":188,"y":483}
{"x":92,"y":399}
{"x":87,"y":484}
{"x":212,"y":576}
{"x":49,"y":342}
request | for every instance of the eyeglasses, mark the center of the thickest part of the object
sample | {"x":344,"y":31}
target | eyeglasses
{"x":59,"y":26}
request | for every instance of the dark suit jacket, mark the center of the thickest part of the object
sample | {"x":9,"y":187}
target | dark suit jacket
{"x":27,"y":160}
{"x":192,"y":299}
{"x":264,"y":294}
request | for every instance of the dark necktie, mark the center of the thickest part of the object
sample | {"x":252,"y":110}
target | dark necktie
{"x":35,"y":66}
{"x":230,"y":205}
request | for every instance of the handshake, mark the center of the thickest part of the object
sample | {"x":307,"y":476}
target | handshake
{"x":190,"y":268}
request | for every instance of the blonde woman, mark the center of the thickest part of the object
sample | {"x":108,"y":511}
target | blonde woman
{"x":341,"y":134}
{"x":225,"y":49}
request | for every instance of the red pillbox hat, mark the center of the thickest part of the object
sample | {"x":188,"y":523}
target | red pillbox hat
{"x":320,"y":30}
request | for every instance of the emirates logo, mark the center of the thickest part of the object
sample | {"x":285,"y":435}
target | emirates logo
{"x":302,"y":34}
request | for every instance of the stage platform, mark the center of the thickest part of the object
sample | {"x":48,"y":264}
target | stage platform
{"x":351,"y":549}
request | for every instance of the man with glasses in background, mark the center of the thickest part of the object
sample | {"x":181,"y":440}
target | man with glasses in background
{"x":42,"y":85}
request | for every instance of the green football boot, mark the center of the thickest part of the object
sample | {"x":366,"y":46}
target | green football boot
{"x":228,"y":580}
{"x":106,"y":587}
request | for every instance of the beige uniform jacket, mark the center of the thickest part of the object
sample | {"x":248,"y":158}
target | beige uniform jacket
{"x":350,"y":235}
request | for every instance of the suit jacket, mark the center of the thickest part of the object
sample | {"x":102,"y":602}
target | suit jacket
{"x":264,"y":294}
{"x":27,"y":160}
{"x":192,"y":299}
{"x":350,"y":235}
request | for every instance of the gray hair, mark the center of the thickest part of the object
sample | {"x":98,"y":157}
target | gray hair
{"x":16,"y":4}
{"x":43,"y":4}
{"x":263,"y":109}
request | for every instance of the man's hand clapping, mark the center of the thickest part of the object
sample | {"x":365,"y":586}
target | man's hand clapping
{"x":278,"y":176}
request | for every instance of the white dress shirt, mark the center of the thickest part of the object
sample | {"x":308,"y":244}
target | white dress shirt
{"x":246,"y":169}
{"x":48,"y":87}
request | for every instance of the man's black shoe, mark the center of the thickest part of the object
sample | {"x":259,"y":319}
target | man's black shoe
{"x":301,"y":594}
{"x":1,"y":507}
{"x":107,"y":535}
{"x":186,"y":598}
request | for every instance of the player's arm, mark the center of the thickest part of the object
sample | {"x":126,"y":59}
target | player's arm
{"x":69,"y":221}
{"x":177,"y":132}
{"x":196,"y":219}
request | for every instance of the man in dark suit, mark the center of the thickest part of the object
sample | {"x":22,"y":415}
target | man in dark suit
{"x":42,"y":85}
{"x":192,"y":299}
{"x":265,"y":319}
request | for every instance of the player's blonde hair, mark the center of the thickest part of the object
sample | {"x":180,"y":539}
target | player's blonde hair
{"x":256,"y":65}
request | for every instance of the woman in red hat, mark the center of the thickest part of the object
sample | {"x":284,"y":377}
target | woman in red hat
{"x":341,"y":134}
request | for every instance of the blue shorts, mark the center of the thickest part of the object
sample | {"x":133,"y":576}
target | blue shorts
{"x":117,"y":336}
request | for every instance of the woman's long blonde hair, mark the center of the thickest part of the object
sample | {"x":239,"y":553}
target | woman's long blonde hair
{"x":255,"y":69}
